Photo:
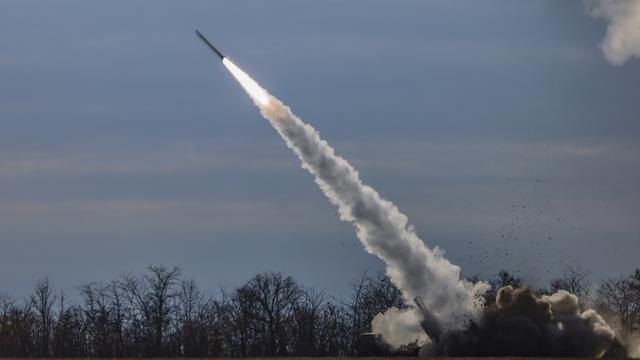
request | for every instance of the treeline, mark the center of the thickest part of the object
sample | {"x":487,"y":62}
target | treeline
{"x":161,"y":314}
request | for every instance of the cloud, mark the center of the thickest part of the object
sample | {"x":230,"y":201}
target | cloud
{"x":622,"y":40}
{"x":128,"y":158}
{"x":138,"y":219}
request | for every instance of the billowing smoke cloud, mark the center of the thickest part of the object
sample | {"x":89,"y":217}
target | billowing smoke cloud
{"x":522,"y":324}
{"x":622,"y":40}
{"x":631,"y":343}
{"x":415,"y":269}
{"x":399,"y":327}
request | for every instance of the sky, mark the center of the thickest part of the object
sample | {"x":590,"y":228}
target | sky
{"x":500,"y":128}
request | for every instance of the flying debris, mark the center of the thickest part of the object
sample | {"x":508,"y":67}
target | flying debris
{"x":204,"y":39}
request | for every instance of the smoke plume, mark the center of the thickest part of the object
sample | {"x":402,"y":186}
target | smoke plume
{"x":622,"y":40}
{"x":521,"y":324}
{"x":399,"y":327}
{"x":631,"y":343}
{"x":449,"y":307}
{"x":415,"y":269}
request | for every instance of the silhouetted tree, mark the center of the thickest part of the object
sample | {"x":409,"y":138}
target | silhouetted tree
{"x":137,"y":315}
{"x":573,"y":280}
{"x":160,"y":314}
{"x":370,"y":295}
{"x":191,"y":320}
{"x":306,"y":323}
{"x":501,"y":279}
{"x":276,"y":296}
{"x":18,"y":329}
{"x":68,"y":331}
{"x":42,"y":301}
{"x":621,"y":298}
{"x":161,"y":282}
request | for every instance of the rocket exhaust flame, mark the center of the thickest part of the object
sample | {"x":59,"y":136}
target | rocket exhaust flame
{"x":250,"y":86}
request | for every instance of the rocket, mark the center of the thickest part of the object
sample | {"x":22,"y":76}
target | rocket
{"x":204,"y":39}
{"x":257,"y":93}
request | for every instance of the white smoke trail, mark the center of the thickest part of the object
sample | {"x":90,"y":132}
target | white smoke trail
{"x":623,"y":31}
{"x":383,"y":230}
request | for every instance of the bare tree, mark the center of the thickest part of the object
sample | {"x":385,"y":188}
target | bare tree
{"x":354,"y":311}
{"x":621,"y":298}
{"x":370,"y":295}
{"x":161,"y":281}
{"x":190,"y":319}
{"x":240,"y":314}
{"x":137,"y":314}
{"x":116,"y":298}
{"x":379,"y":295}
{"x":98,"y":312}
{"x":158,"y":314}
{"x":42,"y":300}
{"x":333,"y":331}
{"x":69,"y":331}
{"x":19,"y":330}
{"x":573,"y":280}
{"x":306,"y":321}
{"x":276,"y":296}
{"x":501,"y":279}
{"x":7,"y":306}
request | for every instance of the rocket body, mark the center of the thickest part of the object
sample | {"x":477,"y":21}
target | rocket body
{"x":210,"y":45}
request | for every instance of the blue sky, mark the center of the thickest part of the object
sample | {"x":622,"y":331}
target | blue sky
{"x":498,"y":127}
